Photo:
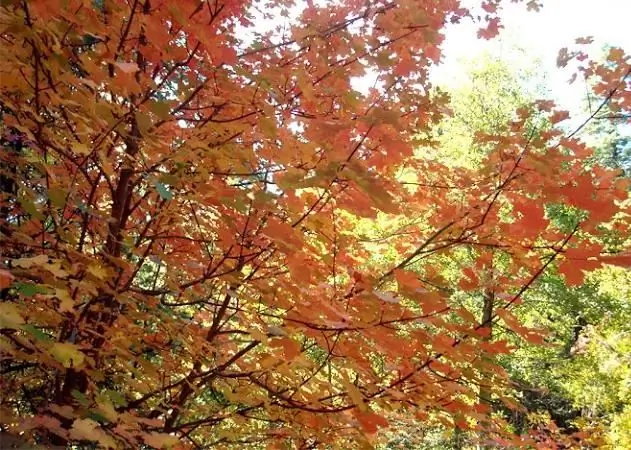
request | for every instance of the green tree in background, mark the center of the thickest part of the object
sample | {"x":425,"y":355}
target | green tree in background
{"x":580,"y":377}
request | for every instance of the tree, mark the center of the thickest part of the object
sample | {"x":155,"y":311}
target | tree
{"x":485,"y":103}
{"x":180,"y":263}
{"x":545,"y":378}
{"x":577,"y":379}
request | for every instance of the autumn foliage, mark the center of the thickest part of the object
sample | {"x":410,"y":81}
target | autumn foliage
{"x":180,"y":193}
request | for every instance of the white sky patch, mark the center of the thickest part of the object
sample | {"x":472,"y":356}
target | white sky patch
{"x":541,"y":35}
{"x":369,"y":81}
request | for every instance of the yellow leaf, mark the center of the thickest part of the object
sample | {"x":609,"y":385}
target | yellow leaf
{"x":43,"y":261}
{"x":354,"y":393}
{"x":10,"y":316}
{"x":66,"y":303}
{"x":66,"y":411}
{"x":258,"y":335}
{"x":81,"y":149}
{"x":31,"y":208}
{"x":276,"y":331}
{"x":89,"y":430}
{"x":67,"y":354}
{"x":25,"y":263}
{"x":268,"y":126}
{"x":106,"y":407}
{"x":143,"y":121}
{"x":97,"y":271}
{"x":268,"y":361}
{"x":160,"y":440}
{"x":104,"y":112}
{"x":161,"y":109}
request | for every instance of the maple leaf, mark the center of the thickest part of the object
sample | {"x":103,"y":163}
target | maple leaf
{"x":163,"y":191}
{"x":489,"y":6}
{"x":622,"y":259}
{"x":26,"y":263}
{"x":10,"y":316}
{"x":386,"y":297}
{"x":80,"y":148}
{"x":67,"y":354}
{"x":492,"y":29}
{"x":88,"y":429}
{"x":407,"y":279}
{"x":6,"y":278}
{"x":66,"y":302}
{"x":127,"y":67}
{"x":616,"y":54}
{"x":370,"y":421}
{"x":160,"y":440}
{"x":559,"y":116}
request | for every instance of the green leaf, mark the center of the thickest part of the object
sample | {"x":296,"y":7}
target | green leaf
{"x":163,"y":191}
{"x":38,"y":334}
{"x":31,"y":208}
{"x":30,"y":289}
{"x":82,"y":207}
{"x":57,"y":197}
{"x":162,"y":109}
{"x":97,"y":416}
{"x":80,"y":398}
{"x":116,"y":398}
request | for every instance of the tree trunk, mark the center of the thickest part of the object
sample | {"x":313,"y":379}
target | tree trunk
{"x":484,"y":397}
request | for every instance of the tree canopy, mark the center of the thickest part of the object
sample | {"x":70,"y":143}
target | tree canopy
{"x":210,"y":239}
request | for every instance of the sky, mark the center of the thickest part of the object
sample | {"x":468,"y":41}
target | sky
{"x":541,"y":35}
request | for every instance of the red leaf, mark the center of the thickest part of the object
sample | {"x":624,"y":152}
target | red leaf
{"x":6,"y":278}
{"x":621,"y":259}
{"x":291,"y":348}
{"x":490,"y":7}
{"x":370,"y":421}
{"x":492,"y":29}
{"x":559,"y":116}
{"x":407,"y":279}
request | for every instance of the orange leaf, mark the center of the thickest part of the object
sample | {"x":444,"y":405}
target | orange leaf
{"x":407,"y":279}
{"x":6,"y":278}
{"x":370,"y":421}
{"x":621,"y":259}
{"x":291,"y":348}
{"x":127,"y":67}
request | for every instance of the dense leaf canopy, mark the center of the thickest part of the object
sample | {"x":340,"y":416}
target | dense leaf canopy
{"x":210,"y":239}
